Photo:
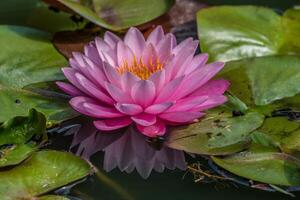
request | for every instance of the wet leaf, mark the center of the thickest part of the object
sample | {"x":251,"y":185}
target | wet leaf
{"x":29,"y":58}
{"x":263,"y":80}
{"x":236,"y":32}
{"x":217,"y":134}
{"x":117,"y":15}
{"x":43,"y":172}
{"x":17,"y":102}
{"x":36,"y":14}
{"x":270,"y":167}
{"x":16,"y":153}
{"x":19,"y":130}
{"x":52,"y":197}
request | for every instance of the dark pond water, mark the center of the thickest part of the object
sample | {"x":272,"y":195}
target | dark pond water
{"x":170,"y":185}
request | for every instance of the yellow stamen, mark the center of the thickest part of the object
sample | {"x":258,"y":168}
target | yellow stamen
{"x":139,"y":69}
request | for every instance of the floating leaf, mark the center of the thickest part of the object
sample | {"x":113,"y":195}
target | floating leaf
{"x":117,"y":15}
{"x":15,"y":153}
{"x":28,"y":59}
{"x":52,"y":197}
{"x":43,"y":172}
{"x":17,"y":102}
{"x":36,"y":14}
{"x":20,"y":129}
{"x":270,"y":167}
{"x":264,"y":79}
{"x":217,"y":134}
{"x":236,"y":32}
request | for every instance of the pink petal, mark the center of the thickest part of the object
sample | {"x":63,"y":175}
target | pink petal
{"x":158,"y":108}
{"x":181,"y":117}
{"x":125,"y":54}
{"x":110,"y":57}
{"x":95,"y":72}
{"x":92,"y":90}
{"x":155,"y":36}
{"x":169,"y":89}
{"x":149,"y":56}
{"x":164,"y":48}
{"x":101,"y":45}
{"x":186,"y":44}
{"x":144,"y":119}
{"x":111,"y":39}
{"x":143,"y":92}
{"x":129,"y":109}
{"x":112,"y":124}
{"x":157,"y":129}
{"x":213,"y":101}
{"x":197,"y":79}
{"x":127,"y":81}
{"x":187,"y":103}
{"x":198,"y":61}
{"x":212,"y":87}
{"x":182,"y":60}
{"x":117,"y":94}
{"x":70,"y":75}
{"x":92,"y":108}
{"x":92,"y":53}
{"x":135,"y":40}
{"x":158,"y":78}
{"x":69,"y":89}
{"x":111,"y":73}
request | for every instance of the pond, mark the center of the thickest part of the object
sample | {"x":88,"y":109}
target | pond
{"x":139,"y":99}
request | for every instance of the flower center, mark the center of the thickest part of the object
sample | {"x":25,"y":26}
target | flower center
{"x":140,"y":69}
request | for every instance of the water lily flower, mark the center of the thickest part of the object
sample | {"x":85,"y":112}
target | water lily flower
{"x":150,"y":83}
{"x":147,"y":84}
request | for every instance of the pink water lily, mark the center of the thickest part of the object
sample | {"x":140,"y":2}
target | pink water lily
{"x":151,"y":82}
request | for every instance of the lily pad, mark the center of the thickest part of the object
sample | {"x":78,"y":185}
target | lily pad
{"x":271,"y":167}
{"x":15,"y":153}
{"x":263,"y":80}
{"x":52,"y":197}
{"x":117,"y":15}
{"x":29,"y":58}
{"x":236,"y":32}
{"x":17,"y":102}
{"x":219,"y":133}
{"x":20,"y":130}
{"x":36,"y":14}
{"x":43,"y":172}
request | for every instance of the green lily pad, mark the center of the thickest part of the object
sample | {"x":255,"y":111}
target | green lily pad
{"x":16,"y":153}
{"x":52,"y":197}
{"x":20,"y":130}
{"x":270,"y":167}
{"x":218,"y":133}
{"x":17,"y":102}
{"x":117,"y":15}
{"x":28,"y":58}
{"x":236,"y":32}
{"x":16,"y":137}
{"x":263,"y":80}
{"x":43,"y":172}
{"x":36,"y":14}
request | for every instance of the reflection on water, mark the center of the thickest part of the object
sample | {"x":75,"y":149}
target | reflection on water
{"x":170,"y":185}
